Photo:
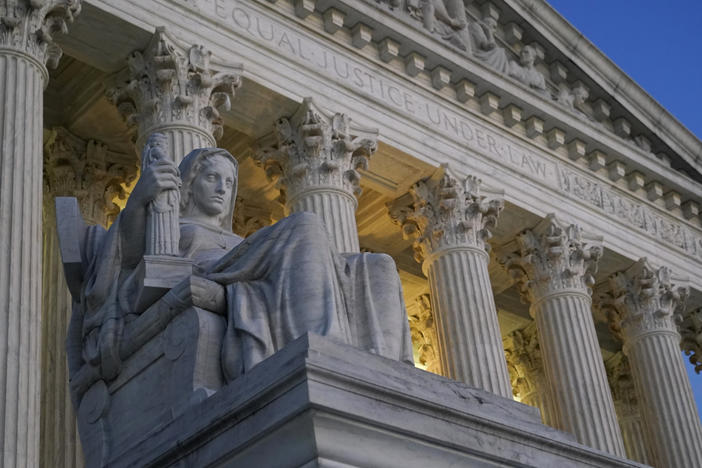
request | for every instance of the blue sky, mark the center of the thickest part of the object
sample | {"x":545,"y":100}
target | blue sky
{"x":657,"y":43}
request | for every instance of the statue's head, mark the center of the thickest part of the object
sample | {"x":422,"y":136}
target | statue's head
{"x":527,"y":56}
{"x":209,"y":185}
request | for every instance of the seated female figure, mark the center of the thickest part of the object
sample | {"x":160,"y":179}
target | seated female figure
{"x":274,"y":286}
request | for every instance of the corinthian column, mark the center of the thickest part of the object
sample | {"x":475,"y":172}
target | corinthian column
{"x":315,"y":156}
{"x":26,"y":46}
{"x":88,"y":171}
{"x":646,"y":303}
{"x":527,"y":371}
{"x":555,"y":264}
{"x":177,"y":91}
{"x":626,"y":403}
{"x":449,"y":219}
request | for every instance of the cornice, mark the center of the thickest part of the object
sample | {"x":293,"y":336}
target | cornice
{"x":610,"y":77}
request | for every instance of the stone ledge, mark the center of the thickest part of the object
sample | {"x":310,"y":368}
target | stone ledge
{"x":319,"y":403}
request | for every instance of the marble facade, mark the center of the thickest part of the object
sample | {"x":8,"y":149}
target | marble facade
{"x":543,"y":211}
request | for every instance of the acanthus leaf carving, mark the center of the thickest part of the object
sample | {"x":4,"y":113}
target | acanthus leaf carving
{"x":691,"y":332}
{"x":644,"y":299}
{"x":447,"y":211}
{"x":170,"y":84}
{"x":30,"y":25}
{"x":315,"y":149}
{"x":423,"y":333}
{"x":551,"y":258}
{"x":89,"y":171}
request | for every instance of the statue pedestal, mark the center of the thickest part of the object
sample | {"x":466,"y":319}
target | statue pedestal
{"x":319,"y":403}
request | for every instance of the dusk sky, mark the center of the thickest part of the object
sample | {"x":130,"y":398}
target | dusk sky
{"x":657,"y":43}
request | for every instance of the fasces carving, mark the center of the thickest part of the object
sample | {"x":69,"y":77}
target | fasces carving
{"x":644,"y":299}
{"x":169,"y":85}
{"x":88,"y":171}
{"x":447,"y":211}
{"x":315,"y":149}
{"x":553,"y":258}
{"x":29,"y":26}
{"x":691,"y":331}
{"x":423,"y":332}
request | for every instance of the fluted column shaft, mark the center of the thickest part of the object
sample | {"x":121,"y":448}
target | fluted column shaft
{"x":466,"y":317}
{"x":449,"y":218}
{"x":337,"y":208}
{"x":575,"y":371}
{"x":633,"y":436}
{"x":671,"y":421}
{"x":22,"y":80}
{"x":644,"y":306}
{"x":555,"y":264}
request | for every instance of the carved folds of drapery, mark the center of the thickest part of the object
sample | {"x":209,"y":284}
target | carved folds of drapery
{"x":553,"y":258}
{"x":644,"y":299}
{"x":28,"y":26}
{"x":88,"y":171}
{"x":446,"y":211}
{"x":423,"y":332}
{"x":168,"y":86}
{"x":316,"y":149}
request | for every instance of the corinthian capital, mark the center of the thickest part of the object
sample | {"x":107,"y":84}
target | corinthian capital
{"x":168,"y":84}
{"x":446,"y":211}
{"x":552,"y":258}
{"x":316,"y":149}
{"x":423,"y":332}
{"x":89,"y":171}
{"x":523,"y":355}
{"x":29,"y":26}
{"x":644,"y":299}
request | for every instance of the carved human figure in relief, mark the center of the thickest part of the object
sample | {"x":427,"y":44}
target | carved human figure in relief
{"x":525,"y":71}
{"x":444,"y":17}
{"x":485,"y":45}
{"x":279,"y":283}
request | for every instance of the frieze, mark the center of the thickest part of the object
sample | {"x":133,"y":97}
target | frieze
{"x":442,"y":119}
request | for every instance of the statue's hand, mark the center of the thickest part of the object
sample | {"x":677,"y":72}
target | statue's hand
{"x":201,"y":292}
{"x":158,"y":177}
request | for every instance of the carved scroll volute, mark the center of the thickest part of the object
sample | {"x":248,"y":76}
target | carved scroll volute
{"x":170,"y":84}
{"x":552,"y":257}
{"x":447,"y":211}
{"x":645,"y":299}
{"x":30,"y":25}
{"x":316,"y":149}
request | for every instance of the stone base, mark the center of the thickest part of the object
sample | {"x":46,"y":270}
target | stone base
{"x":318,"y":403}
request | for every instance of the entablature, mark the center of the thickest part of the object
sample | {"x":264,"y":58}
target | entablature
{"x":297,"y":57}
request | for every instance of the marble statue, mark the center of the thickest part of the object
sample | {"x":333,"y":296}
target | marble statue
{"x":525,"y":71}
{"x":485,"y":45}
{"x":274,"y":286}
{"x":574,"y":99}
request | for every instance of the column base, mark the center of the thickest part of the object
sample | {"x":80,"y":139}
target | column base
{"x":319,"y":403}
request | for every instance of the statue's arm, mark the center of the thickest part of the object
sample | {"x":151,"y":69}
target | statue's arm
{"x":157,"y":177}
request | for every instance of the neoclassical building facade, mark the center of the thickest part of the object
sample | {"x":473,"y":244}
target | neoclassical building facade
{"x":543,"y":210}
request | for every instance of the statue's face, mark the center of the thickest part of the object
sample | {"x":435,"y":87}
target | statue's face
{"x":212,"y":187}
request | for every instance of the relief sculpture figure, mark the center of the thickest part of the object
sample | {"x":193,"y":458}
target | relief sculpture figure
{"x":485,"y":45}
{"x":525,"y":71}
{"x":447,"y":18}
